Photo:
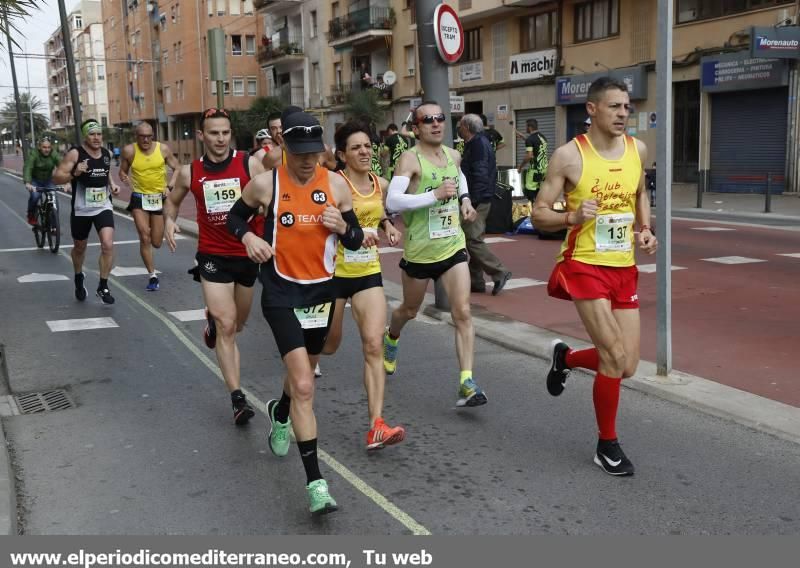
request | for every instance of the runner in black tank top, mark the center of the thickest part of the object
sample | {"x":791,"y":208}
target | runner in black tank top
{"x":87,"y":168}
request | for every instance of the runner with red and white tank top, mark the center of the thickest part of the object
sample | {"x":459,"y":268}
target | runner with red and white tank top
{"x":226,"y":273}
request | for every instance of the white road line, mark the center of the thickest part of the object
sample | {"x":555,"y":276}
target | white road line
{"x":36,"y":277}
{"x":384,"y":250}
{"x":790,"y":254}
{"x":189,"y":315}
{"x":712,"y":229}
{"x":130,"y":271}
{"x":81,"y":324}
{"x":650,"y":268}
{"x":733,"y":260}
{"x":490,"y":240}
{"x":23,"y":249}
{"x":520,"y":283}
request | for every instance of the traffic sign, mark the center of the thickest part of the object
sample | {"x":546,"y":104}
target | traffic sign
{"x":448,"y":32}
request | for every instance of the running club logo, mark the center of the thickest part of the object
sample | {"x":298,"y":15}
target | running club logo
{"x":318,"y":196}
{"x":210,"y":267}
{"x":287,"y":219}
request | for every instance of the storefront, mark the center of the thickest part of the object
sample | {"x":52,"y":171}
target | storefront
{"x":748,"y":102}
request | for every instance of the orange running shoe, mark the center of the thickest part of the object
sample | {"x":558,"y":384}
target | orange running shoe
{"x":382,"y":435}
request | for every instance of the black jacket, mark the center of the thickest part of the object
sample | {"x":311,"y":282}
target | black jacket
{"x":480,"y":168}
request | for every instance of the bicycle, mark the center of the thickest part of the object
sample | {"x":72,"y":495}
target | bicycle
{"x":48,"y":224}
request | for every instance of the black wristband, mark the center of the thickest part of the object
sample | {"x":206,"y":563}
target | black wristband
{"x":238,"y":216}
{"x":462,"y":197}
{"x":354,"y":235}
{"x":387,"y":219}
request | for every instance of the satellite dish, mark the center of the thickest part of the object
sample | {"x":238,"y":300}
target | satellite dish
{"x":389,"y":77}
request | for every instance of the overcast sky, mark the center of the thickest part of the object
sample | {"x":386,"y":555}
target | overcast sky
{"x":33,"y":33}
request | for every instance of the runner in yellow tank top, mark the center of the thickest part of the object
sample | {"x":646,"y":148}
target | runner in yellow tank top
{"x":431,"y":192}
{"x":601,"y":174}
{"x":144,"y":167}
{"x":358,"y":277}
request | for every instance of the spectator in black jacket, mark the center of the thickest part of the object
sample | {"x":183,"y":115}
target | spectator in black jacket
{"x":480,"y":169}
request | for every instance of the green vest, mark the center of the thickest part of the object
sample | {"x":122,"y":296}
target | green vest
{"x":433,"y":233}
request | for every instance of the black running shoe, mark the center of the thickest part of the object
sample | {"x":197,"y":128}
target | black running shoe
{"x":242,"y":411}
{"x":558,"y":373}
{"x":612,"y":459}
{"x":105,"y":295}
{"x":80,"y":289}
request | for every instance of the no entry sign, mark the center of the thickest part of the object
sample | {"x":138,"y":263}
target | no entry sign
{"x":449,"y":33}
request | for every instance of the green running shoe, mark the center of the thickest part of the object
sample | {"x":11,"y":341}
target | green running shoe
{"x":470,"y":394}
{"x":390,"y":347}
{"x":278,"y":431}
{"x":320,"y":501}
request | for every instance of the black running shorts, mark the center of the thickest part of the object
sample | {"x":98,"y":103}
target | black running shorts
{"x":82,"y":226}
{"x":349,"y":287}
{"x":426,"y":271}
{"x":227,"y":269}
{"x":136,"y":203}
{"x":290,"y":335}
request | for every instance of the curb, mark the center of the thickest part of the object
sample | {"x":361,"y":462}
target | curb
{"x":747,"y":409}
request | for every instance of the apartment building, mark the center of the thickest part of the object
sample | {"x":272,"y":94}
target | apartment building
{"x":86,"y":34}
{"x":158,"y":58}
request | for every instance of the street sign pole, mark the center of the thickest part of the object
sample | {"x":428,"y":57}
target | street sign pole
{"x":218,"y":69}
{"x":664,"y":188}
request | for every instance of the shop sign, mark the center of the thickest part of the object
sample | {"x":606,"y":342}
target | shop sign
{"x":534,"y":65}
{"x":775,"y":43}
{"x":741,"y":72}
{"x":572,"y":89}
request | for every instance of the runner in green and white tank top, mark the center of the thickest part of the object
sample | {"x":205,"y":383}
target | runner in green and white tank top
{"x":433,"y":233}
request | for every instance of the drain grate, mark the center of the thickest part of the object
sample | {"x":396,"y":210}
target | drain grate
{"x":47,"y":401}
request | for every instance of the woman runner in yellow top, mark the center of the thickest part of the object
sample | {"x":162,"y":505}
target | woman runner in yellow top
{"x":358,"y":276}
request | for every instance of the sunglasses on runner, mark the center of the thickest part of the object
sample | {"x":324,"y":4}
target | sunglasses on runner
{"x":215,"y":113}
{"x":430,"y":118}
{"x":304,"y":131}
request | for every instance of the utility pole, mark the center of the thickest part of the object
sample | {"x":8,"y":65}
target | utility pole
{"x":66,"y":38}
{"x":433,"y":74}
{"x":20,"y":123}
{"x":30,"y":98}
{"x":217,"y":63}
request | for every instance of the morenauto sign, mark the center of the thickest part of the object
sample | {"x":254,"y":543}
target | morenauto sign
{"x":572,"y":89}
{"x":775,"y":43}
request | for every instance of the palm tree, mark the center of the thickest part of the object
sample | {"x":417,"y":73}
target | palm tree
{"x":8,"y":114}
{"x":11,"y":12}
{"x":365,"y":105}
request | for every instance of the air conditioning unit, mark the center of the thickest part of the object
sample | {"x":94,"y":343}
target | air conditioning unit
{"x":687,"y":16}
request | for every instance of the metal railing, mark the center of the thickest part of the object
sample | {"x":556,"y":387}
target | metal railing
{"x":360,"y":21}
{"x":287,"y":44}
{"x":751,"y":182}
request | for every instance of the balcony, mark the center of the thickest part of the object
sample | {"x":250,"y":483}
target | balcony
{"x":290,"y":95}
{"x":262,"y":5}
{"x":282,"y":47}
{"x":339,"y":94}
{"x":360,"y":25}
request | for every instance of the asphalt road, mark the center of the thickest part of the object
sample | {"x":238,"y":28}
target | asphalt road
{"x":150,"y":447}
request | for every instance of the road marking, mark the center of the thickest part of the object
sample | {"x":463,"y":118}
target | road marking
{"x":131,"y":271}
{"x":790,"y":254}
{"x":189,"y":315}
{"x":733,"y":260}
{"x":36,"y":277}
{"x":520,"y":283}
{"x":23,"y":249}
{"x":384,"y":250}
{"x":491,"y":240}
{"x":650,"y":268}
{"x":390,"y":508}
{"x":713,"y":229}
{"x":81,"y":324}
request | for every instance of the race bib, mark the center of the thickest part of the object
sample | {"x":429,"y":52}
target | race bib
{"x":313,"y":317}
{"x":221,"y":194}
{"x":151,"y":202}
{"x":361,"y":256}
{"x":443,"y":220}
{"x":96,"y":197}
{"x":613,"y":232}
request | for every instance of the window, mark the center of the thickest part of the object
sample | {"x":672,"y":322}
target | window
{"x":165,"y":55}
{"x":103,"y":120}
{"x":226,"y":87}
{"x":89,"y":73}
{"x":250,"y":44}
{"x":167,"y":94}
{"x":236,"y":44}
{"x":252,"y":87}
{"x":238,"y":87}
{"x":315,"y":78}
{"x":596,"y":19}
{"x":464,"y":4}
{"x":412,"y":7}
{"x":210,"y":7}
{"x":177,"y":12}
{"x":313,"y":23}
{"x":111,"y":21}
{"x":472,"y":45}
{"x":335,"y":10}
{"x":236,"y":7}
{"x":78,"y":22}
{"x":691,"y":10}
{"x":337,"y":73}
{"x":248,"y":7}
{"x":179,"y":52}
{"x":101,"y":72}
{"x":538,"y":32}
{"x":411,"y":60}
{"x":181,"y":92}
{"x":221,"y":7}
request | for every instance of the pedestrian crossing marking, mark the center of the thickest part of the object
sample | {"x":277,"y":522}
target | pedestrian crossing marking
{"x":81,"y":324}
{"x":36,"y":277}
{"x":790,"y":254}
{"x":733,"y":260}
{"x":131,"y":271}
{"x":650,"y":268}
{"x":491,"y":240}
{"x":712,"y":229}
{"x":189,"y":315}
{"x":520,"y":283}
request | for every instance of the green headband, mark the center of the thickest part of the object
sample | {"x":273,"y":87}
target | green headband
{"x":91,"y":128}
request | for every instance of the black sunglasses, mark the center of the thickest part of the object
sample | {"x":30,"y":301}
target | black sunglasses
{"x":430,"y":118}
{"x":303,"y":131}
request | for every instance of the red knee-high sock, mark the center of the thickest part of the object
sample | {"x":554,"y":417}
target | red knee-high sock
{"x":583,"y":358}
{"x":605,"y":394}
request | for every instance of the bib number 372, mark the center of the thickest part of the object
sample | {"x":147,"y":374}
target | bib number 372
{"x":313,"y":317}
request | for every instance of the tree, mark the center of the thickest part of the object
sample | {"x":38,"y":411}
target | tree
{"x":11,"y":12}
{"x":365,"y":105}
{"x":28,"y":103}
{"x":261,"y":108}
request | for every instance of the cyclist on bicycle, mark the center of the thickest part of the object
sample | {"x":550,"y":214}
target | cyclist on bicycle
{"x":38,"y":174}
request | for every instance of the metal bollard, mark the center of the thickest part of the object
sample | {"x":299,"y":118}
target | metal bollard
{"x":768,"y":197}
{"x":440,"y":296}
{"x":701,"y":187}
